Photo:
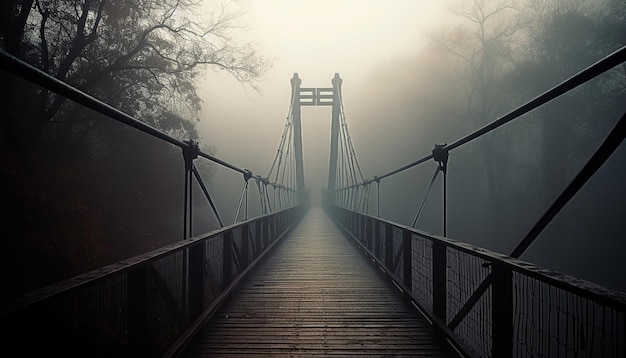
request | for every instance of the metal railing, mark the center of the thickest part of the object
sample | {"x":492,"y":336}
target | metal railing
{"x":150,"y":305}
{"x":146,"y":306}
{"x":526,"y":311}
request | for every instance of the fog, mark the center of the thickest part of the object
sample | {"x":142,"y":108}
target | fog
{"x":403,"y":92}
{"x":81,"y":191}
{"x":315,"y":40}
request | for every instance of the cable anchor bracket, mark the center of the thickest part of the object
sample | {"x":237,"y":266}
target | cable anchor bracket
{"x":440,"y":155}
{"x":247,"y":175}
{"x":190,"y":152}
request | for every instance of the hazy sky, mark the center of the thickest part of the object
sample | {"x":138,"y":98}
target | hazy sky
{"x":315,"y":39}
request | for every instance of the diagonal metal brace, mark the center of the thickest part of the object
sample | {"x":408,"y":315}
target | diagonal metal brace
{"x":206,"y":194}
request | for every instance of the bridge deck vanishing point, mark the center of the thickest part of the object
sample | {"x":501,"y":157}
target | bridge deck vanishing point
{"x":317,"y":295}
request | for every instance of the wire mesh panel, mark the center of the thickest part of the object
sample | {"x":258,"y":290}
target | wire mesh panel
{"x":464,"y":274}
{"x":213,"y":268}
{"x":101,"y":312}
{"x":166,"y":300}
{"x":422,"y":271}
{"x":555,"y":322}
{"x":397,"y":252}
{"x":497,"y":306}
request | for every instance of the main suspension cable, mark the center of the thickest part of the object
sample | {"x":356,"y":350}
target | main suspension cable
{"x":607,"y":63}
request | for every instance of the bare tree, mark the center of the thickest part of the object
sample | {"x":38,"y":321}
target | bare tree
{"x":142,"y":56}
{"x":80,"y":191}
{"x":484,"y":43}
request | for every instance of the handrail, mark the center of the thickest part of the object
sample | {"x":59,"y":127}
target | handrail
{"x":41,"y":78}
{"x":530,"y":310}
{"x":147,"y":305}
{"x":592,"y":71}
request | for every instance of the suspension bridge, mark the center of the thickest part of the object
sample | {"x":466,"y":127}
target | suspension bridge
{"x":301,"y":281}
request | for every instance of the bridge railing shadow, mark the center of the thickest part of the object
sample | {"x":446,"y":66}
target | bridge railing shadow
{"x":526,"y":310}
{"x":149,"y":305}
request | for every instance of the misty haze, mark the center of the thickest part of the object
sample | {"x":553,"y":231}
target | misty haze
{"x":183,"y":118}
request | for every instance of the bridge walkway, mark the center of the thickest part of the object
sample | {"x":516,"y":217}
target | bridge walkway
{"x":316,"y":295}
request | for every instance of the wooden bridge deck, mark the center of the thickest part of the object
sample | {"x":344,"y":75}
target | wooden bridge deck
{"x":316,"y":295}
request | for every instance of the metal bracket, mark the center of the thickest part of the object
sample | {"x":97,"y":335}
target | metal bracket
{"x":190,"y":152}
{"x":247,"y":175}
{"x":440,"y":155}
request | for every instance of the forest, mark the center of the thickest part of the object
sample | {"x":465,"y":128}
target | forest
{"x":492,"y":57}
{"x":79,"y":191}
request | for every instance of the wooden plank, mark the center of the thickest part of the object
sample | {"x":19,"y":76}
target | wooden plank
{"x":316,"y":295}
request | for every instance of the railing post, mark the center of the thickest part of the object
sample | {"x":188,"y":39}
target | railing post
{"x":389,"y":246}
{"x":407,"y":250}
{"x":196,"y":279}
{"x":352,"y":225}
{"x":190,"y":153}
{"x":245,"y":241}
{"x":137,"y":292}
{"x":502,"y":311}
{"x":227,"y":254}
{"x":439,"y":280}
{"x":369,"y":228}
{"x":362,"y":229}
{"x":377,"y":250}
{"x":266,"y":233}
{"x":258,"y":236}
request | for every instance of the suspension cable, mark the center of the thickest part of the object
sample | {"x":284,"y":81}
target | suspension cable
{"x":280,"y":146}
{"x":344,"y":121}
{"x":41,"y":78}
{"x":607,"y":63}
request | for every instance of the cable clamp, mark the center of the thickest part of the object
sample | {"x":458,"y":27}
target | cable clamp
{"x":190,"y":152}
{"x":440,"y":155}
{"x":247,"y":175}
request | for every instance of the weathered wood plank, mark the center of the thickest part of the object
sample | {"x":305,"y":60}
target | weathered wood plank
{"x":317,"y":296}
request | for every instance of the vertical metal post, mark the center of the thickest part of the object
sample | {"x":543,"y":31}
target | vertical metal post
{"x":378,"y":193}
{"x":246,"y":203}
{"x":439,"y":280}
{"x":268,"y":232}
{"x":362,"y":228}
{"x":377,"y":239}
{"x":196,"y":279}
{"x":227,"y":254}
{"x":186,"y":204}
{"x":389,"y":246}
{"x":445,"y":203}
{"x":440,"y":155}
{"x":502,"y":311}
{"x":245,"y":238}
{"x":258,"y":236}
{"x":407,"y":249}
{"x":369,"y":228}
{"x":334,"y":132}
{"x":190,"y":152}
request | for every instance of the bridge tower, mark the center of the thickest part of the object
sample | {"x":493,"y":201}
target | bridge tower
{"x":334,"y":133}
{"x":297,"y":128}
{"x":316,"y":97}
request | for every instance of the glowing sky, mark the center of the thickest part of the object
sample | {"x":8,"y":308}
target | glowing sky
{"x":315,"y":39}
